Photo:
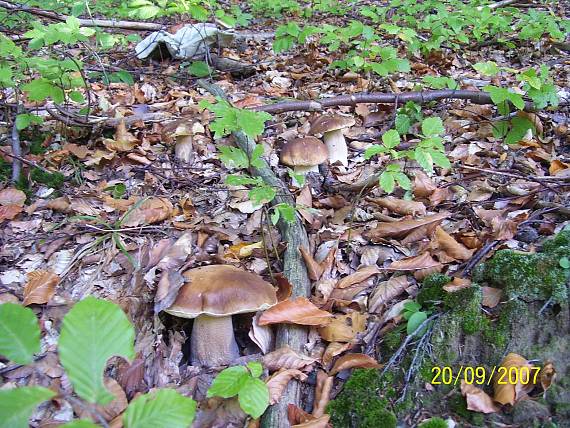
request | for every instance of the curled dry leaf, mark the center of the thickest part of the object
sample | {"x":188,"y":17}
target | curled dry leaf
{"x":457,"y":284}
{"x":40,"y":287}
{"x":261,"y":335}
{"x":124,"y":141}
{"x":152,"y":210}
{"x":344,"y":328}
{"x":400,"y":206}
{"x":243,"y":249}
{"x":286,"y":358}
{"x":298,"y":418}
{"x":360,"y":275}
{"x":334,"y":349}
{"x":9,"y":212}
{"x":322,"y":393}
{"x":296,"y":311}
{"x":423,"y":261}
{"x":11,"y":196}
{"x":508,"y":392}
{"x":279,"y":381}
{"x":386,"y":291}
{"x":423,"y":186}
{"x":314,"y":269}
{"x":451,"y":247}
{"x":284,"y":287}
{"x":351,"y":361}
{"x":398,"y":229}
{"x":491,"y":296}
{"x":477,"y":399}
{"x":547,"y":375}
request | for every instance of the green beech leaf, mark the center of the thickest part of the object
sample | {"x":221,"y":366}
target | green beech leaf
{"x":164,"y":408}
{"x":432,"y":126}
{"x":387,"y":182}
{"x":374,"y":150}
{"x":488,"y":68}
{"x":424,"y":159}
{"x":199,"y":69}
{"x":403,"y":180}
{"x":440,"y":159}
{"x":254,"y":397}
{"x":415,"y":321}
{"x":19,"y":333}
{"x":81,"y":423}
{"x":92,"y":332}
{"x":262,"y":195}
{"x":233,"y":157}
{"x":519,"y":128}
{"x":391,"y":138}
{"x":403,"y":123}
{"x":255,"y":368}
{"x":229,"y":382}
{"x":17,"y":404}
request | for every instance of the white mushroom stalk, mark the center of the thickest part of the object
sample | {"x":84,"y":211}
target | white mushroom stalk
{"x":213,"y":343}
{"x":336,"y":145}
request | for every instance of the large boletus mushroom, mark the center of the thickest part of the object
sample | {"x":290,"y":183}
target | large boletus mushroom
{"x":331,"y":127}
{"x":304,"y":154}
{"x":212,"y":295}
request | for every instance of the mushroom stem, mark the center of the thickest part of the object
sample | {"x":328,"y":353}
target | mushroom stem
{"x":212,"y":342}
{"x":336,"y":144}
{"x":303,"y":170}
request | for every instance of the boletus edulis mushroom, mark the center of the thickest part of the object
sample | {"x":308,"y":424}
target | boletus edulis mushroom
{"x":211,"y":295}
{"x":304,"y":155}
{"x":331,"y":127}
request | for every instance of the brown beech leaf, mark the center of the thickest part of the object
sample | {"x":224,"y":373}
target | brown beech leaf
{"x":284,"y":287}
{"x":457,"y":284}
{"x":477,"y":399}
{"x":40,"y":287}
{"x":124,"y":141}
{"x":261,"y":335}
{"x":295,"y":311}
{"x":344,"y":328}
{"x":111,"y":410}
{"x":547,"y":375}
{"x":279,"y":381}
{"x":360,"y":275}
{"x":9,"y":212}
{"x":314,"y":269}
{"x":423,"y":186}
{"x":334,"y":349}
{"x":351,"y":361}
{"x":423,"y":261}
{"x":286,"y":358}
{"x":491,"y":296}
{"x":322,"y":393}
{"x":152,"y":210}
{"x":11,"y":196}
{"x":386,"y":291}
{"x":507,"y":392}
{"x":451,"y":247}
{"x":400,"y":206}
{"x":398,"y":229}
{"x":298,"y":418}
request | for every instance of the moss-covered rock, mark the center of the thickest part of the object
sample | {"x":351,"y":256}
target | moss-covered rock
{"x":360,"y":404}
{"x":466,"y":305}
{"x":432,"y":292}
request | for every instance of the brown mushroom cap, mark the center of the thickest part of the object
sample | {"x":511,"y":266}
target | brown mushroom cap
{"x":324,"y":124}
{"x":305,"y":151}
{"x":221,"y":290}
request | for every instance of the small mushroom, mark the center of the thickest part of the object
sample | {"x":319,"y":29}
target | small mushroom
{"x":211,"y":296}
{"x":181,"y":132}
{"x":304,"y":154}
{"x":331,"y":127}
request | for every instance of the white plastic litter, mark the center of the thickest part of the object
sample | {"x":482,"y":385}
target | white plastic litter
{"x":189,"y":42}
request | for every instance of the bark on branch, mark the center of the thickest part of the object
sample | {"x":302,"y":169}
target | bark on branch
{"x":293,"y":268}
{"x":477,"y":97}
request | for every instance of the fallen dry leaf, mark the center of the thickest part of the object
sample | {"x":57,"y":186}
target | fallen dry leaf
{"x":40,"y":287}
{"x":423,"y":186}
{"x":314,"y":269}
{"x":351,"y":361}
{"x":344,"y":328}
{"x":360,"y":275}
{"x":296,"y":311}
{"x":322,"y":393}
{"x":423,"y":261}
{"x":152,"y":210}
{"x":398,"y":229}
{"x":243,"y":249}
{"x":279,"y":381}
{"x":261,"y":335}
{"x":547,"y":375}
{"x":286,"y":358}
{"x":385,"y":291}
{"x":11,"y":196}
{"x":477,"y":399}
{"x":491,"y":296}
{"x":450,"y":246}
{"x":298,"y":418}
{"x":457,"y":284}
{"x":508,"y":392}
{"x":9,"y":212}
{"x":400,"y":206}
{"x":333,"y":349}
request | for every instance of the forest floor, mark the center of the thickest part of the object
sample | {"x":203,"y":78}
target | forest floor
{"x":431,"y":249}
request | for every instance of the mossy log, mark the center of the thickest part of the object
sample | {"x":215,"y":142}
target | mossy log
{"x":295,"y":235}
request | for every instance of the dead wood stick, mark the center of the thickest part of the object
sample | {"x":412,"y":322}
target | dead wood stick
{"x":293,"y":268}
{"x":477,"y":97}
{"x":16,"y":154}
{"x":498,"y":4}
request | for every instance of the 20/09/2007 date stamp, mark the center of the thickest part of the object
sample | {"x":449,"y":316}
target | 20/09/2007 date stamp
{"x":481,"y":376}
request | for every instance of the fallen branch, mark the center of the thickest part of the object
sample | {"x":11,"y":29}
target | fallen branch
{"x":293,"y":268}
{"x":477,"y":97}
{"x":16,"y":154}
